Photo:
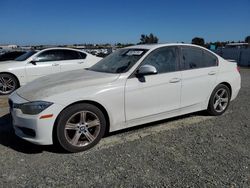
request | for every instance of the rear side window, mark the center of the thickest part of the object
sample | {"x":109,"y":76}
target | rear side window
{"x":194,"y":58}
{"x":83,"y":55}
{"x":191,"y":58}
{"x":209,"y":59}
{"x":71,"y":55}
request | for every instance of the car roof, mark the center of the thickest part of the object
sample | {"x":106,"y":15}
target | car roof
{"x":154,"y":46}
{"x":61,"y":48}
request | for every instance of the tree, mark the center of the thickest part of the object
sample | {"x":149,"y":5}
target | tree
{"x":198,"y":41}
{"x":148,"y":39}
{"x":247,"y":39}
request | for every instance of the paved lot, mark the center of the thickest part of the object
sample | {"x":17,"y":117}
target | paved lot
{"x":190,"y":151}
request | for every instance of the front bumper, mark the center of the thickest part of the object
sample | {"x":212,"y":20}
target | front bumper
{"x":31,"y":127}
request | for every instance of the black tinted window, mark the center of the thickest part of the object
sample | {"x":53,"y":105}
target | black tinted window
{"x":209,"y":59}
{"x":25,"y":56}
{"x":57,"y":55}
{"x":83,"y":55}
{"x":11,"y":55}
{"x":193,"y":58}
{"x":163,"y":59}
{"x":70,"y":54}
{"x":50,"y":55}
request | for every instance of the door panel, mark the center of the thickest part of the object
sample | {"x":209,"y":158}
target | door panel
{"x":41,"y":69}
{"x":72,"y":60}
{"x":197,"y":85}
{"x":156,"y":95}
{"x":198,"y":77}
{"x":69,"y":65}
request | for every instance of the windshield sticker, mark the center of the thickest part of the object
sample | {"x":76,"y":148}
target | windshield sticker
{"x":134,"y":52}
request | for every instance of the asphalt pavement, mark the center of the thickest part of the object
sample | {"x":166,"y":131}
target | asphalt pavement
{"x":194,"y":150}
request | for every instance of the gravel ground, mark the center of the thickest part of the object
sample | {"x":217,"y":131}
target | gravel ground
{"x":189,"y":151}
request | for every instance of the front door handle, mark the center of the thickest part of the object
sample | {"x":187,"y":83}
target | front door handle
{"x":212,"y":73}
{"x":175,"y":80}
{"x":55,"y":64}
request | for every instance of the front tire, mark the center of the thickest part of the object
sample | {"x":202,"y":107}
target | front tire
{"x":219,"y":100}
{"x":8,"y":83}
{"x":80,"y":127}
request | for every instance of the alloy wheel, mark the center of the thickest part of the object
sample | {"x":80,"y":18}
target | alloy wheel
{"x":221,"y":100}
{"x":7,"y":85}
{"x":82,"y":128}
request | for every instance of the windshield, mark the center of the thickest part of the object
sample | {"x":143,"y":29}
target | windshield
{"x":119,"y":62}
{"x":25,"y":56}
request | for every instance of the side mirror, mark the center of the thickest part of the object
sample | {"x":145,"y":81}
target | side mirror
{"x":33,"y":62}
{"x":146,"y":70}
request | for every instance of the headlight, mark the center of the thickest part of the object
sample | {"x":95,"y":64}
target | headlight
{"x":34,"y":108}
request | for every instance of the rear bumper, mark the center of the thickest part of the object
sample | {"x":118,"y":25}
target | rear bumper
{"x":236,"y":85}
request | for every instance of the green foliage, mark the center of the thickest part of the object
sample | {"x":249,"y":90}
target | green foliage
{"x":148,"y":39}
{"x":198,"y":41}
{"x":247,"y":39}
{"x":120,"y":45}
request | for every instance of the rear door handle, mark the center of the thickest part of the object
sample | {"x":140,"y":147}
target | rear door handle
{"x":212,"y":73}
{"x":81,"y":62}
{"x":55,"y":64}
{"x":175,"y":80}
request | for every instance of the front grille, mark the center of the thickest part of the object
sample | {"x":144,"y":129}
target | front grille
{"x":27,"y":131}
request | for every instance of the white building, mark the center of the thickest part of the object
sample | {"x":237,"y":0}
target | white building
{"x":8,"y":47}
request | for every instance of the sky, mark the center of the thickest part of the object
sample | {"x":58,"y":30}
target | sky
{"x":34,"y":22}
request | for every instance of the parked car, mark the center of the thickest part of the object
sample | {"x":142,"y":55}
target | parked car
{"x":35,"y":64}
{"x":132,"y":86}
{"x":11,"y":55}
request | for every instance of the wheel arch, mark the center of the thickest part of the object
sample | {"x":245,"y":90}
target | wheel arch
{"x":221,"y":83}
{"x":98,"y":105}
{"x":228,"y":85}
{"x":18,"y":81}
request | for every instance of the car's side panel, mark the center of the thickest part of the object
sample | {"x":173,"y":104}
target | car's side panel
{"x":72,"y":64}
{"x":18,"y":71}
{"x":77,"y":64}
{"x":197,"y":85}
{"x":229,"y":73}
{"x":41,"y":69}
{"x":156,"y":94}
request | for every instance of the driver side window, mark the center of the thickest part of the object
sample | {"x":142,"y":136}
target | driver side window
{"x":164,"y":59}
{"x":50,"y":55}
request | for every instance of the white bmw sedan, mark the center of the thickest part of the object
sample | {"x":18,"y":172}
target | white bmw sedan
{"x":132,"y":86}
{"x":35,"y":64}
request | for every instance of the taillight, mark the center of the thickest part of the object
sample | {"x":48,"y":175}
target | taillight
{"x":238,"y":68}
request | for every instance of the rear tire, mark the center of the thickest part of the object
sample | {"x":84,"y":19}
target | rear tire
{"x":8,"y":83}
{"x":219,"y":100}
{"x":80,"y":127}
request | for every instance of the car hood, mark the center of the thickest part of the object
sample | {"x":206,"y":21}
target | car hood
{"x":8,"y":64}
{"x":63,"y":82}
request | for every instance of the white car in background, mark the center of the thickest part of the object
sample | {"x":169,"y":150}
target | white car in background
{"x":35,"y":64}
{"x":132,"y":86}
